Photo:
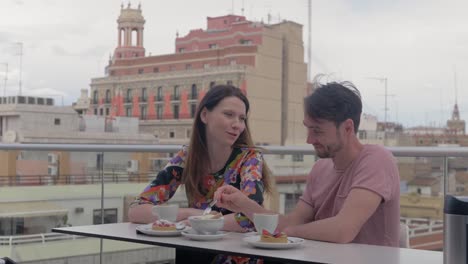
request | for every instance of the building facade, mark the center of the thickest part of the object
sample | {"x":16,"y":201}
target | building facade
{"x":265,"y":61}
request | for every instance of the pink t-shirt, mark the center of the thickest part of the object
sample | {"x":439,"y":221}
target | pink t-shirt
{"x":374,"y":169}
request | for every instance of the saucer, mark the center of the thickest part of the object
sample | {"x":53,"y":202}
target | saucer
{"x":254,"y":240}
{"x":192,"y":234}
{"x":148,"y":230}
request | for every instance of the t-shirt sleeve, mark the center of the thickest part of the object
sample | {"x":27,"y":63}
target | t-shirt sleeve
{"x":164,"y":186}
{"x":378,"y":173}
{"x":306,"y":197}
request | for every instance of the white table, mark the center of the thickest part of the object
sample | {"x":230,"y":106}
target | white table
{"x":310,"y":251}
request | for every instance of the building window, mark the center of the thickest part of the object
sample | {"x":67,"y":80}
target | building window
{"x":194,"y":91}
{"x":95,"y":111}
{"x":229,"y":82}
{"x":172,"y":68}
{"x":110,"y":216}
{"x":108,"y":96}
{"x":57,"y":121}
{"x":159,"y":110}
{"x":193,"y":110}
{"x":155,"y":69}
{"x":188,"y":66}
{"x":144,"y":94}
{"x":362,"y":134}
{"x":143,"y":112}
{"x":246,"y":42}
{"x":172,"y":134}
{"x":176,"y":92}
{"x":181,"y":50}
{"x":213,"y":46}
{"x":107,"y":111}
{"x":206,"y":66}
{"x":188,"y":133}
{"x":159,"y":94}
{"x":232,"y":62}
{"x":129,"y":95}
{"x":128,"y":111}
{"x":212,"y":84}
{"x":297,"y":157}
{"x":101,"y":112}
{"x":176,"y":111}
{"x":141,"y":71}
{"x":95,"y":97}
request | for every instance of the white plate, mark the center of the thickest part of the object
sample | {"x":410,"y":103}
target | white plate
{"x":192,"y":234}
{"x":147,"y":230}
{"x":255,"y":241}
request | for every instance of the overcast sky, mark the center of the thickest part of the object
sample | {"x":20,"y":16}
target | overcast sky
{"x":417,"y":45}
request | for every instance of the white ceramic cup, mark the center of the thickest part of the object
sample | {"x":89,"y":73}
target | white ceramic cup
{"x":268,"y":222}
{"x":166,"y":211}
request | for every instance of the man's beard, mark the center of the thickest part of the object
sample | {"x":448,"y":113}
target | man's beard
{"x":329,"y":151}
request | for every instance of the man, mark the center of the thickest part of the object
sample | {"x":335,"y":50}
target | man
{"x":353,"y":190}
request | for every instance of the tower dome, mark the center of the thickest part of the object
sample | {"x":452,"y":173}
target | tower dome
{"x":130,"y":25}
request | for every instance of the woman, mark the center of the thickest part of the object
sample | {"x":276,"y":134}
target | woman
{"x":221,"y":152}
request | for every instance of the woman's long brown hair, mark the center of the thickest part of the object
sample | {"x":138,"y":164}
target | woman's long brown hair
{"x":198,"y":162}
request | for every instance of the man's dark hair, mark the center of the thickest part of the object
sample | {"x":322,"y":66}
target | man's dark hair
{"x":334,"y":101}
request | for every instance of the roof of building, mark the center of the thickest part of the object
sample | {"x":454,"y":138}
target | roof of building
{"x":30,"y":209}
{"x":424,"y":181}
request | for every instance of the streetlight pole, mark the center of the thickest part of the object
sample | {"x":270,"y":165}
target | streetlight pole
{"x":5,"y":79}
{"x":20,"y":54}
{"x":384,"y":80}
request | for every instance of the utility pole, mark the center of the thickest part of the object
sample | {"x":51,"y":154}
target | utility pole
{"x":309,"y":40}
{"x":20,"y":54}
{"x":386,"y":95}
{"x":5,"y":79}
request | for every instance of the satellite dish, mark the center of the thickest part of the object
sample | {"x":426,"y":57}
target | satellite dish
{"x":9,"y":136}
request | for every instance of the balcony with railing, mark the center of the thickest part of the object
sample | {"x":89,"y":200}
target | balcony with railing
{"x":71,"y":185}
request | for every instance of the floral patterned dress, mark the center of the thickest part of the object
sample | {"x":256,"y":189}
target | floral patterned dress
{"x":243,"y":170}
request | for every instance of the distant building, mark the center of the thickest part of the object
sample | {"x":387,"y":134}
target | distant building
{"x":265,"y":60}
{"x":451,"y":135}
{"x":26,"y":119}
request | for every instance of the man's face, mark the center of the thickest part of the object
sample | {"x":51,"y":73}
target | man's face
{"x":324,"y":136}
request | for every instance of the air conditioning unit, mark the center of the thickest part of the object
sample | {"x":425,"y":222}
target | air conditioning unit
{"x":52,"y":170}
{"x":157,"y":164}
{"x":52,"y":158}
{"x":132,"y":166}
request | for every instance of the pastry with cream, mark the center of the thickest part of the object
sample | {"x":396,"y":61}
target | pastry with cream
{"x":163,"y":225}
{"x":277,"y":237}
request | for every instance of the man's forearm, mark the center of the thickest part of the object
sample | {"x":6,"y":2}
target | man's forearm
{"x":330,"y":229}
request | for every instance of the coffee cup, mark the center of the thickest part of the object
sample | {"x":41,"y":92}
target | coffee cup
{"x":166,"y":211}
{"x":267,"y":222}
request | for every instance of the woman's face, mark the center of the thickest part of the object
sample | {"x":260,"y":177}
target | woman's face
{"x":225,"y":122}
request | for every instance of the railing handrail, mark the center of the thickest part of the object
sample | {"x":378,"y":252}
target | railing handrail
{"x":284,"y":150}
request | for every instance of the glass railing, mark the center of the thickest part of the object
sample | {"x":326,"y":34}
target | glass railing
{"x":43,"y":186}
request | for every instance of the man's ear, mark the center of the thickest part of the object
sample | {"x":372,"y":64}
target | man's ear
{"x":203,"y":115}
{"x":349,"y":125}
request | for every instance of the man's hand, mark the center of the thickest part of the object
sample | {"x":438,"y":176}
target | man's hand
{"x":232,"y":199}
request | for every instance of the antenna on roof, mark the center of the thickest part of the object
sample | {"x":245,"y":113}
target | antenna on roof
{"x":455,"y":83}
{"x":242,"y":9}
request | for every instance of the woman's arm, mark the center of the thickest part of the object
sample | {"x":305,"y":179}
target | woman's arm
{"x":159,"y":191}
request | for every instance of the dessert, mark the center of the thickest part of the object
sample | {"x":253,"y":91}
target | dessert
{"x":277,"y":237}
{"x":163,"y":225}
{"x":211,"y":216}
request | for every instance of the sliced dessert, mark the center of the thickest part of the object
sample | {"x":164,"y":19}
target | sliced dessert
{"x":163,"y":225}
{"x":278,"y":237}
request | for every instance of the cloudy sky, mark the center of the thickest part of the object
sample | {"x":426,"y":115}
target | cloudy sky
{"x":419,"y":46}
